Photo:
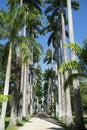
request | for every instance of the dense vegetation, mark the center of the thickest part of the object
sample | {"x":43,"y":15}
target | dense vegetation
{"x":24,"y":90}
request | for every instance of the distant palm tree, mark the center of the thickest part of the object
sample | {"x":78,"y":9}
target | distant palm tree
{"x":49,"y":76}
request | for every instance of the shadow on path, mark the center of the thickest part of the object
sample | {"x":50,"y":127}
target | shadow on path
{"x":48,"y":118}
{"x":53,"y":128}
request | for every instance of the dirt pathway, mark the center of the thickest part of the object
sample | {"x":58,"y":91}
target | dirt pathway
{"x":39,"y":123}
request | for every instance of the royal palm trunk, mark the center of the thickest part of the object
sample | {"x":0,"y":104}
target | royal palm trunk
{"x":68,"y":111}
{"x":28,"y":93}
{"x":62,"y":83}
{"x":79,"y":123}
{"x":15,"y":100}
{"x":6,"y":90}
{"x":24,"y":114}
{"x":21,"y":94}
{"x":49,"y":96}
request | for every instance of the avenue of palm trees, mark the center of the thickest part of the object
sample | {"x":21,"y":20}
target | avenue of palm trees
{"x":24,"y":88}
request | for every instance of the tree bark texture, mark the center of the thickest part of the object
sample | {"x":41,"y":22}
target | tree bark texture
{"x":79,"y":123}
{"x":6,"y":90}
{"x":68,"y":111}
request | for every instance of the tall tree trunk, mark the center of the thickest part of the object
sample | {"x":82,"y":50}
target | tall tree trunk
{"x":68,"y":111}
{"x":21,"y":3}
{"x":28,"y":93}
{"x":6,"y":90}
{"x":49,"y":97}
{"x":58,"y":84}
{"x":79,"y":123}
{"x":31,"y":94}
{"x":62,"y":83}
{"x":21,"y":84}
{"x":15,"y":101}
{"x":60,"y":112}
{"x":37,"y":104}
{"x":56,"y":90}
{"x":24,"y":93}
{"x":21,"y":94}
{"x":24,"y":114}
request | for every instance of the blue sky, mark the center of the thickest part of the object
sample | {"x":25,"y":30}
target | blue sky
{"x":80,"y":26}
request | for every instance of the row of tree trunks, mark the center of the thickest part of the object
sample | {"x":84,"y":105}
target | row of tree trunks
{"x":6,"y":89}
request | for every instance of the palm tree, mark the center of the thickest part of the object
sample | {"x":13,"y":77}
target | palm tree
{"x":79,"y":124}
{"x":6,"y":91}
{"x":38,"y":87}
{"x":29,"y":22}
{"x":54,"y":38}
{"x":56,"y":9}
{"x":49,"y":76}
{"x":68,"y":112}
{"x":8,"y":32}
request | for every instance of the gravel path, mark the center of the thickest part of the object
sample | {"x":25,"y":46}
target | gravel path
{"x":38,"y":123}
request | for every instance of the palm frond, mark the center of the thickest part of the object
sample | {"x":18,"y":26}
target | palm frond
{"x":75,"y":4}
{"x":75,"y":46}
{"x":48,"y":57}
{"x":71,"y":77}
{"x":49,"y":9}
{"x":70,"y":65}
{"x":50,"y":39}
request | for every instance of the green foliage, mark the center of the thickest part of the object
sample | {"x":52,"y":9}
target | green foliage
{"x":38,"y":81}
{"x":48,"y":57}
{"x":71,"y":77}
{"x":69,"y":66}
{"x":37,"y":52}
{"x":83,"y":58}
{"x":3,"y":98}
{"x":49,"y":73}
{"x":12,"y":128}
{"x":74,"y":46}
{"x":83,"y":89}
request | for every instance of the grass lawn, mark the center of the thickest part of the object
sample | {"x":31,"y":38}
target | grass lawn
{"x":21,"y":123}
{"x":12,"y":128}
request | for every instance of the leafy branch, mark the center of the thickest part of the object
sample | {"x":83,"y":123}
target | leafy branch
{"x":70,"y":65}
{"x":74,"y":46}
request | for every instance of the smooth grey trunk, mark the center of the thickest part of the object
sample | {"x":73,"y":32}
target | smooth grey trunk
{"x":31,"y":94}
{"x":31,"y":100}
{"x":56,"y":56}
{"x":49,"y":97}
{"x":21,"y":84}
{"x":59,"y":93}
{"x":24,"y":114}
{"x":59,"y":98}
{"x":62,"y":83}
{"x":21,"y":3}
{"x":37,"y":104}
{"x":13,"y":117}
{"x":68,"y":111}
{"x":63,"y":97}
{"x":28,"y":93}
{"x":79,"y":123}
{"x":56,"y":70}
{"x":21,"y":93}
{"x":24,"y":93}
{"x":6,"y":90}
{"x":15,"y":100}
